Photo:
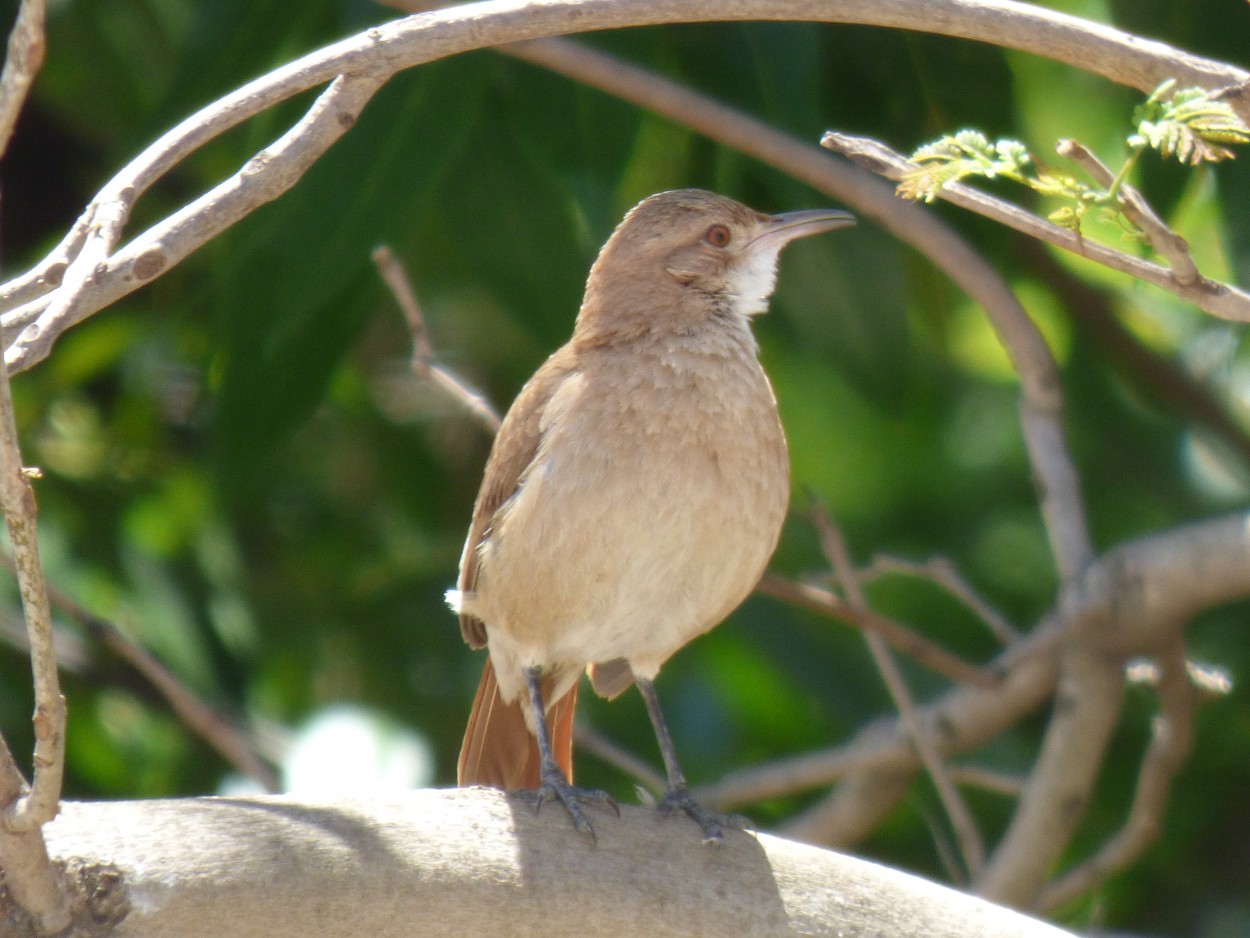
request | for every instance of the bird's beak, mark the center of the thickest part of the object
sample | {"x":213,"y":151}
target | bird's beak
{"x":780,"y":230}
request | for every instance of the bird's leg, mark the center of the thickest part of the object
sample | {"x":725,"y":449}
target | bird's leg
{"x":554,"y":786}
{"x":678,"y":797}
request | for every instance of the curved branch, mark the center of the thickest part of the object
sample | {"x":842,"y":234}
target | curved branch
{"x":386,"y":49}
{"x":94,"y":280}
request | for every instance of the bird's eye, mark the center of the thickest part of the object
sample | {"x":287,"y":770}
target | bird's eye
{"x":718,"y":236}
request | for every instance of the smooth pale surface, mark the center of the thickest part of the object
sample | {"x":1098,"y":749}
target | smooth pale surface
{"x":474,"y":861}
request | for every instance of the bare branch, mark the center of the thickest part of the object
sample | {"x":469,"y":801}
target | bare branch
{"x":915,"y":646}
{"x":39,"y":805}
{"x":1152,"y":586}
{"x":24,"y":809}
{"x":205,"y":721}
{"x":94,"y":279}
{"x":614,"y":755}
{"x":1171,"y":739}
{"x":972,"y":847}
{"x":997,"y":782}
{"x":29,"y":876}
{"x":1093,"y":47}
{"x":443,"y":863}
{"x":1221,"y":300}
{"x":423,"y":365}
{"x":943,"y":573}
{"x":18,"y":502}
{"x":1089,"y":697}
{"x":22,"y":62}
{"x":1166,"y":242}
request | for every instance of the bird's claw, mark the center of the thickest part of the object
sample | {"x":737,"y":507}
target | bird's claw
{"x":713,"y":823}
{"x":555,"y":788}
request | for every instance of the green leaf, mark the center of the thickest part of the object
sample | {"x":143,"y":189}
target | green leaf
{"x":966,"y":153}
{"x":1193,"y":125}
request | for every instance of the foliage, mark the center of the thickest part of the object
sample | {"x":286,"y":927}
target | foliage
{"x":1192,"y":124}
{"x":240,"y":471}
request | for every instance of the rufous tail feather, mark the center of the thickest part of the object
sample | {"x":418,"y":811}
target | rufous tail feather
{"x":500,"y":751}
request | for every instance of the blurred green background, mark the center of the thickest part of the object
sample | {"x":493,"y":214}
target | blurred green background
{"x":241,"y":473}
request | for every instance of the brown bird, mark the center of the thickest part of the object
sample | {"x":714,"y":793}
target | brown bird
{"x":634,"y":493}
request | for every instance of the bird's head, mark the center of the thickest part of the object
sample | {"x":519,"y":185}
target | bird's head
{"x":683,"y":256}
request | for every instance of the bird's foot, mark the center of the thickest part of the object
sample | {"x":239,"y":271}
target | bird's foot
{"x":555,"y":787}
{"x":714,"y":823}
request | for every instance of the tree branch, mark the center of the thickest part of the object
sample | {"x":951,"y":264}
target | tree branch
{"x":1221,"y":300}
{"x":94,"y":279}
{"x":945,"y":575}
{"x":424,"y":367}
{"x":924,"y":652}
{"x":382,"y":51}
{"x":1170,"y":742}
{"x":1135,"y":599}
{"x":1087,"y":709}
{"x":476,"y":861}
{"x":971,"y":845}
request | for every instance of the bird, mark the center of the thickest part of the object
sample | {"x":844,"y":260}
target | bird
{"x":633,"y":494}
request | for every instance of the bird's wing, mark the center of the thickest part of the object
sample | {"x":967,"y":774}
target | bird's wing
{"x":514,"y":448}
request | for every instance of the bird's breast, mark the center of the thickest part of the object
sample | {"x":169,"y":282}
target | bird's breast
{"x":651,"y":507}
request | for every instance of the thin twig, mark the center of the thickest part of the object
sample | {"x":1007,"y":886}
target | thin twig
{"x":972,"y":848}
{"x":999,"y":783}
{"x":393,"y":274}
{"x":212,"y":726}
{"x":17,"y":499}
{"x":615,"y":755}
{"x":1170,"y":743}
{"x":1221,"y":300}
{"x":1090,"y":309}
{"x":1166,"y":242}
{"x":913,"y":645}
{"x":942,"y":572}
{"x":39,"y":805}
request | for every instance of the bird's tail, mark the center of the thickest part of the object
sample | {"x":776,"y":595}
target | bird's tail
{"x":500,"y":751}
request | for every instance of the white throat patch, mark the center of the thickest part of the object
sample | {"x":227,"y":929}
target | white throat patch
{"x":751,"y":284}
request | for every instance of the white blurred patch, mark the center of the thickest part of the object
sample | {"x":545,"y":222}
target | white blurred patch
{"x":455,"y":599}
{"x":347,"y":749}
